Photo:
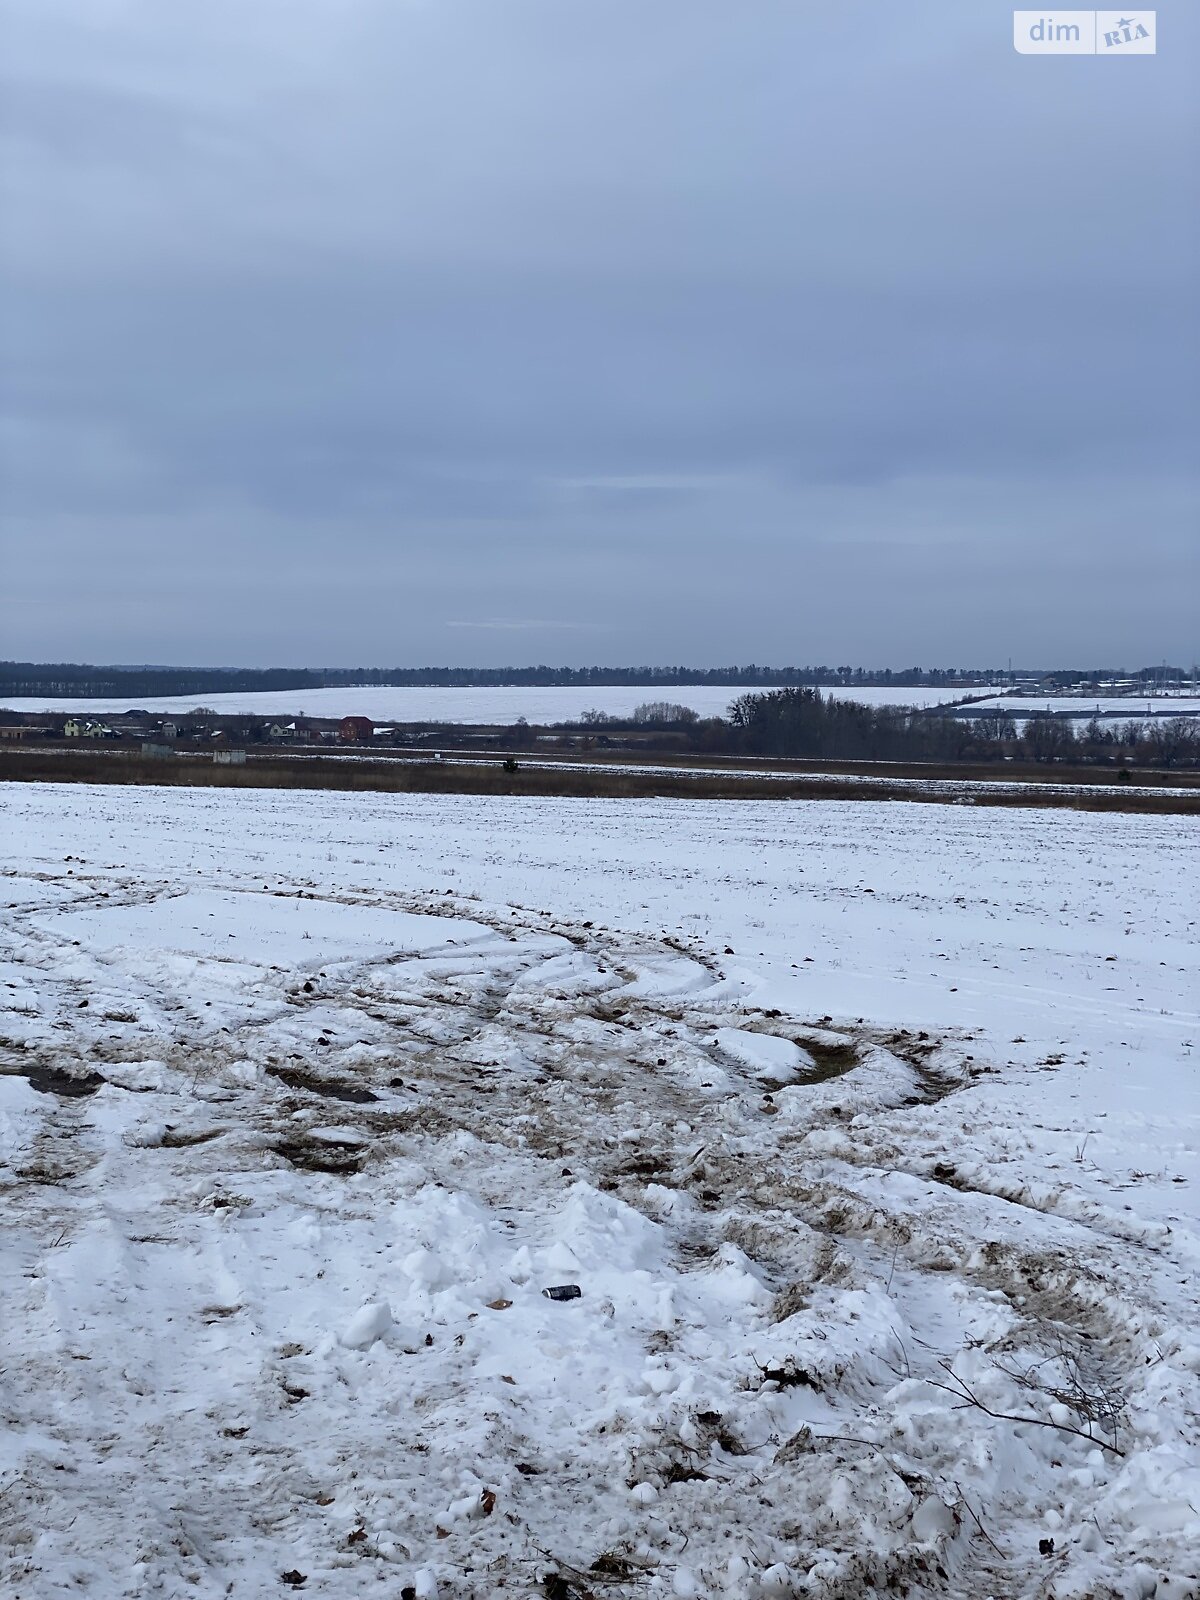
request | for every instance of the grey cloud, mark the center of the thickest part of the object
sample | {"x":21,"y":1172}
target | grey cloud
{"x":646,"y":319}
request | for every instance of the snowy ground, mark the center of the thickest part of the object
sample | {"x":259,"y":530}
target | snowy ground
{"x":870,"y":1134}
{"x":494,"y":706}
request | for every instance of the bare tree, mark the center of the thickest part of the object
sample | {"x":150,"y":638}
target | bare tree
{"x":665,"y":711}
{"x":1170,"y":740}
{"x":1049,"y":738}
{"x":997,"y":727}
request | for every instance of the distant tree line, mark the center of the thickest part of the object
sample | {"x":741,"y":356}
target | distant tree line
{"x":801,"y":722}
{"x":63,"y":680}
{"x":1151,"y":677}
{"x":134,"y":683}
{"x":651,"y":714}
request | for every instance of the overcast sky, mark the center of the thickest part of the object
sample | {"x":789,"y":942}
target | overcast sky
{"x":485,"y":331}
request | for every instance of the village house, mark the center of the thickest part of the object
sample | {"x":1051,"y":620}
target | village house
{"x":356,"y":730}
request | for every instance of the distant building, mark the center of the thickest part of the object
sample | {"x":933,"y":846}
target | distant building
{"x":356,"y":730}
{"x":83,"y":728}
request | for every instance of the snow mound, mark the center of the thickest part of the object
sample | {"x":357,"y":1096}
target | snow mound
{"x":775,"y":1059}
{"x":367,"y":1325}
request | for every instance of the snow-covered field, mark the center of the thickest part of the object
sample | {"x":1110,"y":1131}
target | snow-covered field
{"x":869,"y":1133}
{"x":494,"y":706}
{"x":1135,"y":707}
{"x":1116,"y":711}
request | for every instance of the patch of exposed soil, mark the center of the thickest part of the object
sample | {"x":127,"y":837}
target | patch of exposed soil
{"x":315,"y":1155}
{"x":56,"y":1080}
{"x":331,"y":1088}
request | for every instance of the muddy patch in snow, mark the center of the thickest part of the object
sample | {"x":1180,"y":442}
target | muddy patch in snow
{"x":49,"y":1079}
{"x":296,"y":1078}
